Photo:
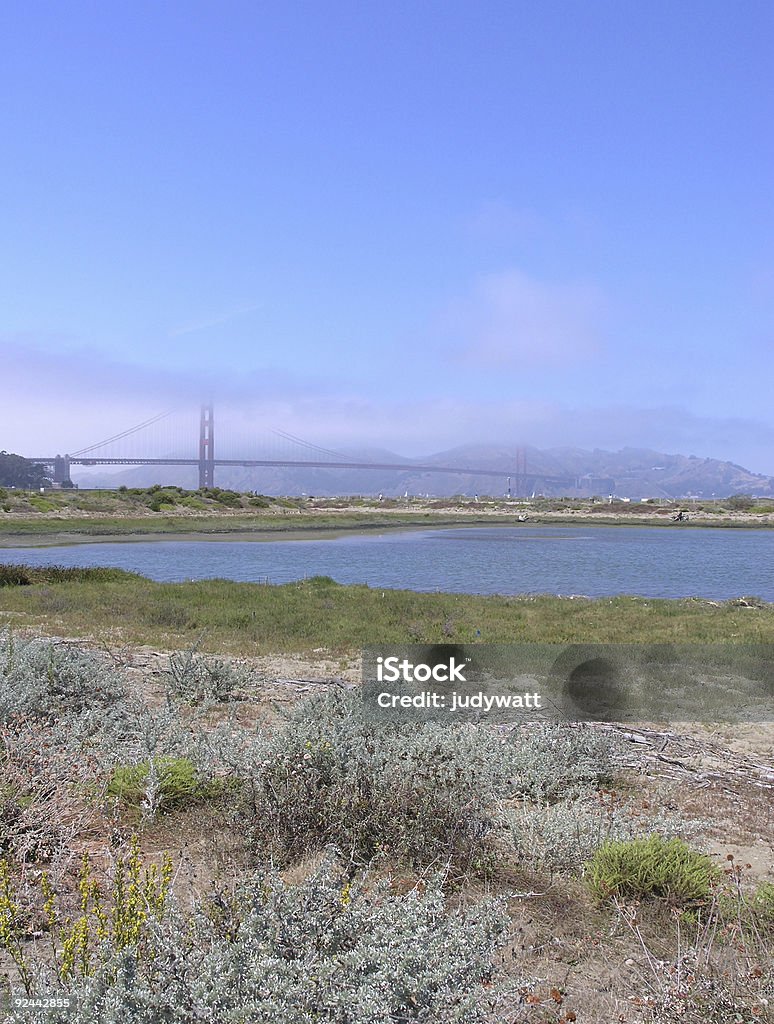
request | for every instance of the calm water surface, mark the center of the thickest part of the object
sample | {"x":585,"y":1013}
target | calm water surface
{"x":595,"y":561}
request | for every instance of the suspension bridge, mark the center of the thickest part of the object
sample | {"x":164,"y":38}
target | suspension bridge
{"x":124,"y":449}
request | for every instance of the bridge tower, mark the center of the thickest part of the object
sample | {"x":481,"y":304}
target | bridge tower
{"x":61,"y":469}
{"x":521,"y":471}
{"x":207,"y":446}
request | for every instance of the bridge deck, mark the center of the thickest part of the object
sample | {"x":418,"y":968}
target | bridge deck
{"x":405,"y":467}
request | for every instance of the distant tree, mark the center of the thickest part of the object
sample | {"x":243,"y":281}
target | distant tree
{"x":740,"y":502}
{"x":16,"y":471}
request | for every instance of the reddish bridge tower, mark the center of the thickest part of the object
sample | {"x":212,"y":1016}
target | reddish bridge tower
{"x":207,"y":446}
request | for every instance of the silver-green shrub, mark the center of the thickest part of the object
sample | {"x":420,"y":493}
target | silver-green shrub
{"x":44,"y":681}
{"x":195,"y":679}
{"x":557,"y":762}
{"x":68,"y":704}
{"x":563,"y":836}
{"x":424,"y":793}
{"x":328,"y":951}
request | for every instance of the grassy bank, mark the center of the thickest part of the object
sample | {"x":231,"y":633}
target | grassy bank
{"x":250,"y":618}
{"x":60,"y":530}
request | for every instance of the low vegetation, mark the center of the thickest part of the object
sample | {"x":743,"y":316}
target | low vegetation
{"x":550,"y":764}
{"x":173,"y":847}
{"x":331,"y":949}
{"x":160,"y":784}
{"x":27,"y":575}
{"x":652,"y":868}
{"x":332,"y":775}
{"x":157,"y":510}
{"x":210,"y":510}
{"x":251,"y":618}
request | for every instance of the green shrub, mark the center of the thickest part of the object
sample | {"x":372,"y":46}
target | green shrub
{"x":173,"y":782}
{"x":321,"y":581}
{"x":41,"y":504}
{"x":231,"y":499}
{"x":652,"y":868}
{"x":162,"y":499}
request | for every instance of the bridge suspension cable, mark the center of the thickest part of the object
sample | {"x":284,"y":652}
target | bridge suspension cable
{"x":125,"y":433}
{"x":309,"y":445}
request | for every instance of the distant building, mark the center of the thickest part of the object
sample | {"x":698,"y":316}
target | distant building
{"x":590,"y":484}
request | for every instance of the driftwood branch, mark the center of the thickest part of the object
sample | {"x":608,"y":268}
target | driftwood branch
{"x":706,"y":763}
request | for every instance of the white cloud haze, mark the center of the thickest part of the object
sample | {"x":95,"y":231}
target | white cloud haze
{"x":512,"y":319}
{"x":65,"y":401}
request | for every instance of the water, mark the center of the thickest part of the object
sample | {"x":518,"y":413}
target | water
{"x":596,"y":561}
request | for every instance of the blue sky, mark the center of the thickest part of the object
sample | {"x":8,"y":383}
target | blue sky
{"x":409,"y":225}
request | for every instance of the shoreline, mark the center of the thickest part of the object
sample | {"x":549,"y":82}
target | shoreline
{"x":32,"y":532}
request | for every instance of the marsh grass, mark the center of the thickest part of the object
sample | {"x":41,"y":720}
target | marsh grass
{"x":28,"y":575}
{"x":255,"y":618}
{"x":164,"y":518}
